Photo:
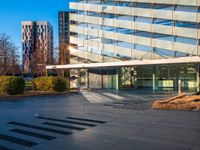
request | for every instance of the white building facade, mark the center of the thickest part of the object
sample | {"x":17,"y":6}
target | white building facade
{"x":121,"y":30}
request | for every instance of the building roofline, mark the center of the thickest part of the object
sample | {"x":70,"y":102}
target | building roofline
{"x":66,"y":11}
{"x":180,"y":60}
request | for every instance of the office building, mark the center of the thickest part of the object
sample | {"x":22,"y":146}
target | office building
{"x":137,"y":43}
{"x":37,"y":45}
{"x":64,"y":33}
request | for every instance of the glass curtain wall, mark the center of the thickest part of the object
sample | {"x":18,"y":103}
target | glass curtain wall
{"x":162,"y":77}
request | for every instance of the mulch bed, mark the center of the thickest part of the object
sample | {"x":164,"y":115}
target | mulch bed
{"x":180,"y":102}
{"x":33,"y":93}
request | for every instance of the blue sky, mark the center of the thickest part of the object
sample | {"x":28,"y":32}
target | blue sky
{"x":12,"y":12}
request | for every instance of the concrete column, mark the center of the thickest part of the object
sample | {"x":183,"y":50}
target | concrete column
{"x":154,"y":81}
{"x":198,"y":79}
{"x":176,"y":80}
{"x":179,"y":86}
{"x":112,"y":81}
{"x":102,"y":83}
{"x":88,"y":79}
{"x":198,"y":86}
{"x":79,"y":81}
{"x":154,"y":78}
{"x":118,"y":79}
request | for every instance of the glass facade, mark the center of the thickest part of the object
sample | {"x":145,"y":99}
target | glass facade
{"x":165,"y":77}
{"x":119,"y":30}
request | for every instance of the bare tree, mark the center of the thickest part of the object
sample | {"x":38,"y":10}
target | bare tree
{"x":9,"y":59}
{"x":56,"y":55}
{"x":38,"y":61}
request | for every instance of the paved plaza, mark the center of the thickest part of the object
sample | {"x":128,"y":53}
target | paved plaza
{"x":96,"y":120}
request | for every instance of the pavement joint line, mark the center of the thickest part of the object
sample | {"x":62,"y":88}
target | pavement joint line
{"x":41,"y":128}
{"x":67,"y":121}
{"x":17,"y":140}
{"x":64,"y":126}
{"x":33,"y":134}
{"x":87,"y":120}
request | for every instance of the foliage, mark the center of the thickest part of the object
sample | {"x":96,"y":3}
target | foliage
{"x":43,"y":84}
{"x":3,"y":81}
{"x":11,"y":85}
{"x":59,"y":84}
{"x":49,"y":84}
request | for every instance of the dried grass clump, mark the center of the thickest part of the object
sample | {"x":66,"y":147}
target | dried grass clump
{"x":180,"y":102}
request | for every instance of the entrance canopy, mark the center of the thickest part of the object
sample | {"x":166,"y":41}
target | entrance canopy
{"x":180,"y":60}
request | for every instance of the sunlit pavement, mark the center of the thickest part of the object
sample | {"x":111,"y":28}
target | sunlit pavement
{"x":97,"y":120}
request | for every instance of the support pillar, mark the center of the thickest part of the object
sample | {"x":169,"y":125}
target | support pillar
{"x":102,"y":85}
{"x":179,"y":86}
{"x":118,"y":79}
{"x":154,"y":81}
{"x":198,"y":79}
{"x":79,"y":81}
{"x":154,"y":78}
{"x":88,"y":79}
{"x":176,"y":76}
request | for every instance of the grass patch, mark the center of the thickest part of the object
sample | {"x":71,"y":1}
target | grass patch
{"x":28,"y":85}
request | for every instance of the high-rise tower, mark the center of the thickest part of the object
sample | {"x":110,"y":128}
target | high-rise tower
{"x":64,"y":33}
{"x":37,"y":45}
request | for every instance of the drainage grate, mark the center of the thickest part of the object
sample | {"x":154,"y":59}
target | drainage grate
{"x":68,"y":121}
{"x":41,"y":128}
{"x":34,"y":134}
{"x":84,"y":119}
{"x":64,"y":126}
{"x":17,"y":140}
{"x":4,"y":148}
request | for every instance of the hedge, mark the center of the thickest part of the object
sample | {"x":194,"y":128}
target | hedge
{"x":59,"y":84}
{"x":11,"y":85}
{"x":56,"y":84}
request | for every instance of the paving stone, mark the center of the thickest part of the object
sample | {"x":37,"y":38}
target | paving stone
{"x":139,"y":144}
{"x":131,"y":127}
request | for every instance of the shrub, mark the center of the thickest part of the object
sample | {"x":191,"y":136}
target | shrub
{"x":11,"y":85}
{"x":49,"y":84}
{"x":43,"y":84}
{"x":3,"y":81}
{"x":59,"y":84}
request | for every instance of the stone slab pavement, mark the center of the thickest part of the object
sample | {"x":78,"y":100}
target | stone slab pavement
{"x":100,"y":120}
